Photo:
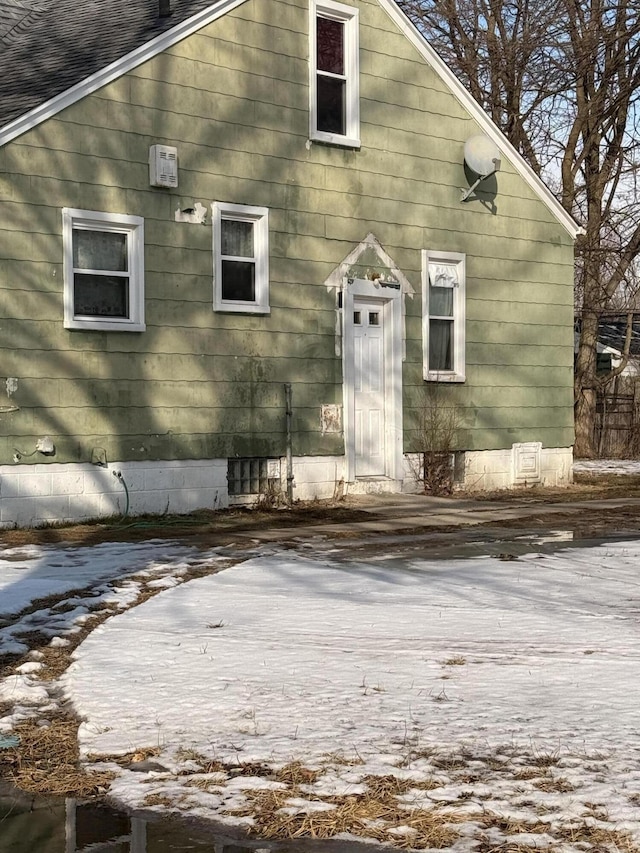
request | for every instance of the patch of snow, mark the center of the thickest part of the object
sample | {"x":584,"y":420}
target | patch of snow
{"x":607,"y":466}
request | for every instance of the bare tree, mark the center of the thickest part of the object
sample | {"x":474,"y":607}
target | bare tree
{"x":561,"y":78}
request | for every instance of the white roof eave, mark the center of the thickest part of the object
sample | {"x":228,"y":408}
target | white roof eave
{"x":116,"y":69}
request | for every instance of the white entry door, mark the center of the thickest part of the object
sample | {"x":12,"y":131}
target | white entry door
{"x":369,"y":388}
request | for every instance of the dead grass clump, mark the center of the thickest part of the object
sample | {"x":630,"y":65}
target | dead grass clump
{"x":184,"y":753}
{"x":511,"y":825}
{"x":458,"y":660}
{"x":295,"y":773}
{"x":450,"y":761}
{"x":46,"y":761}
{"x":144,"y":594}
{"x":598,"y":811}
{"x":545,"y":759}
{"x":365,"y":815}
{"x":526,"y":774}
{"x":487,"y":846}
{"x":383,"y":787}
{"x":551,"y":785}
{"x":246,"y":768}
{"x":600,"y":838}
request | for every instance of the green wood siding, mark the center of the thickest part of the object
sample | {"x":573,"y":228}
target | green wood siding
{"x":233,"y":98}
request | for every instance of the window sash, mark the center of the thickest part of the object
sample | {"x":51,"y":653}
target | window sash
{"x":103,"y":270}
{"x":334,"y":89}
{"x":100,"y":295}
{"x":241,"y":258}
{"x":443,"y":309}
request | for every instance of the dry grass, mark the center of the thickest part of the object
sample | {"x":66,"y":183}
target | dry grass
{"x":187,"y":754}
{"x":449,"y":761}
{"x":527,"y":773}
{"x":511,"y":825}
{"x":373,"y":815}
{"x":340,"y":760}
{"x":295,"y":773}
{"x":554,"y":785}
{"x":590,"y":837}
{"x":46,"y":760}
{"x":158,"y":800}
{"x":127,"y":758}
{"x":209,"y":526}
{"x":544,"y":759}
{"x":600,"y":838}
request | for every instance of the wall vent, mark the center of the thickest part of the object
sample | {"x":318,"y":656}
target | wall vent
{"x":163,"y":166}
{"x":526,"y":462}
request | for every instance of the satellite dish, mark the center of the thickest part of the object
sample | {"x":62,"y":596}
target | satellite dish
{"x":482,"y":155}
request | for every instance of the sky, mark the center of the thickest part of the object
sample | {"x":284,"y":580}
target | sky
{"x":502,"y":691}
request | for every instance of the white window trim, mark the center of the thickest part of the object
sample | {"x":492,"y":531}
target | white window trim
{"x":260,"y":217}
{"x":91,"y":220}
{"x":350,"y":17}
{"x":459,"y":305}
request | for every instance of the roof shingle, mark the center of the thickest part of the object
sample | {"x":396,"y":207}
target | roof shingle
{"x":47,"y":46}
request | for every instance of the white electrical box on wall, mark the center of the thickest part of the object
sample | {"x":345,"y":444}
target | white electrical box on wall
{"x":163,"y":166}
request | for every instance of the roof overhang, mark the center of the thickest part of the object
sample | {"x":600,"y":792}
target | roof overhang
{"x":116,"y":69}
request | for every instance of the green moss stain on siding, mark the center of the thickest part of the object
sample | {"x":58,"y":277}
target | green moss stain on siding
{"x":234,"y":100}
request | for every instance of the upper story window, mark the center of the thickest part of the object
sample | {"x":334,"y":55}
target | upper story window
{"x":241,"y":258}
{"x":443,"y":316}
{"x":103,"y":271}
{"x":335,"y":105}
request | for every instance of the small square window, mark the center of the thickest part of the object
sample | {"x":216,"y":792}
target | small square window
{"x":250,"y":476}
{"x":241,"y":258}
{"x":443,"y":304}
{"x":103,"y":271}
{"x":334,"y":84}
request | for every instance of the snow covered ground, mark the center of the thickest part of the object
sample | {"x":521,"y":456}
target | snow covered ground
{"x":503,"y":693}
{"x":607,"y":466}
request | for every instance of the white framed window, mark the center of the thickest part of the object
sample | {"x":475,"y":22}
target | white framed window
{"x":241,"y":258}
{"x":103,"y":271}
{"x":443,"y":316}
{"x":334,"y":74}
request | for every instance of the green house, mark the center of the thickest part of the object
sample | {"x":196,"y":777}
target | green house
{"x":246,"y":245}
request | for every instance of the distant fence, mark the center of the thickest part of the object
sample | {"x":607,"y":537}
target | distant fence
{"x":617,"y":428}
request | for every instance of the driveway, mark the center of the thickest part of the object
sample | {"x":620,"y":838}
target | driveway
{"x":467,"y":690}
